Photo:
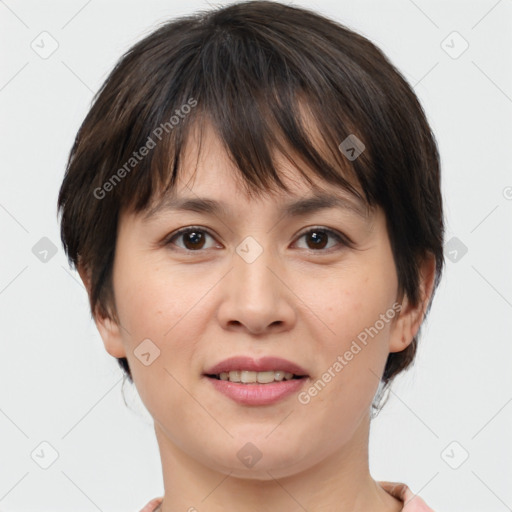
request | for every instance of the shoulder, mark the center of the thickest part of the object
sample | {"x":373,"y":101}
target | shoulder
{"x":412,"y":502}
{"x":153,"y":505}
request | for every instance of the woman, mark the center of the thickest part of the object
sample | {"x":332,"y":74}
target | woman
{"x":253,"y":203}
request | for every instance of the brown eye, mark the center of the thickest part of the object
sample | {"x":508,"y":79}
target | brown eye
{"x":318,"y":238}
{"x":193,"y":239}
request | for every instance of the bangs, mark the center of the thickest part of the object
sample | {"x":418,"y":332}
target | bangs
{"x":260,"y":102}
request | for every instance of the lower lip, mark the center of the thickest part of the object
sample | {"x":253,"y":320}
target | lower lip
{"x":257,"y":394}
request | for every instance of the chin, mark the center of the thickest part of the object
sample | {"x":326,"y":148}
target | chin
{"x":263,"y":470}
{"x":254,"y":457}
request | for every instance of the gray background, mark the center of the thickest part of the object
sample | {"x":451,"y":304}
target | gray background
{"x":59,"y":386}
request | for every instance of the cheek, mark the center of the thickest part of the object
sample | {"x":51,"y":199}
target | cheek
{"x":169,"y":308}
{"x":351,"y":301}
{"x":151,"y":299}
{"x":357,"y":306}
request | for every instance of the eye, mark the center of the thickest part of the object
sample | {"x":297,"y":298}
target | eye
{"x":318,"y":237}
{"x":193,"y":238}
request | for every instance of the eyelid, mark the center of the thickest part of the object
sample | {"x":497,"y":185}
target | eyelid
{"x":175,"y":234}
{"x":341,"y":237}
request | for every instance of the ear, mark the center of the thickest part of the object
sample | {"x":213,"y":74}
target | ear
{"x":109,"y":330}
{"x":409,"y":321}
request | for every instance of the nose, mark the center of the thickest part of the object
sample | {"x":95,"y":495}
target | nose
{"x":256,"y":297}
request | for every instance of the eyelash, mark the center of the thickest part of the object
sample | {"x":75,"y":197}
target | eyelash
{"x":342,"y":239}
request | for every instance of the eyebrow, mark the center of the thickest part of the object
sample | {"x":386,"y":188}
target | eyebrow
{"x":295,"y":208}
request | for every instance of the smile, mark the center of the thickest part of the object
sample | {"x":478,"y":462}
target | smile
{"x":251,"y":377}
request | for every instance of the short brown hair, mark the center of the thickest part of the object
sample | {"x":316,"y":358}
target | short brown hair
{"x":245,"y":68}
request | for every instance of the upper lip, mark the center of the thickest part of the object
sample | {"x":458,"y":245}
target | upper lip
{"x":257,"y":365}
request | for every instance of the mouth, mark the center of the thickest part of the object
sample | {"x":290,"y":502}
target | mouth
{"x":252,"y":382}
{"x":247,"y":370}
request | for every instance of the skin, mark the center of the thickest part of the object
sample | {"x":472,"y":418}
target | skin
{"x":294,"y":301}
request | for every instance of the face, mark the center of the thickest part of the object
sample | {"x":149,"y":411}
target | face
{"x":317,"y":288}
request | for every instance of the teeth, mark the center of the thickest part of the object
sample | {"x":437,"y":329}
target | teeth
{"x":234,"y":376}
{"x":250,"y":377}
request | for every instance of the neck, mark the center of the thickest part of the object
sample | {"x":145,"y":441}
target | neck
{"x":341,"y":482}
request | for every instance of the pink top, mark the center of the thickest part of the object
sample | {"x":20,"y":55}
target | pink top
{"x":153,"y":505}
{"x":412,"y":503}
